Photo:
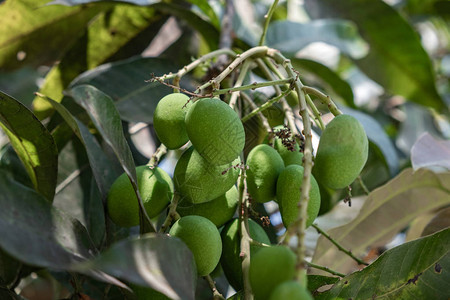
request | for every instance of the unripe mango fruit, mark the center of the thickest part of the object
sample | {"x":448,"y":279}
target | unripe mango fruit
{"x":264,"y":165}
{"x":168,"y":120}
{"x":215,"y":131}
{"x":288,"y":195}
{"x":291,"y":290}
{"x":202,"y":238}
{"x":156,"y":190}
{"x":219,"y":210}
{"x":289,"y":157}
{"x":200,"y":181}
{"x":231,"y":248}
{"x":269,"y":267}
{"x":342,"y":152}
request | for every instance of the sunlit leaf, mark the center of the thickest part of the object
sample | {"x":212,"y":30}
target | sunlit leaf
{"x":117,"y":32}
{"x":106,"y":119}
{"x":430,"y":152}
{"x":414,"y":270}
{"x":291,"y":37}
{"x":386,"y":211}
{"x":26,"y":26}
{"x":158,"y":261}
{"x":32,"y":142}
{"x":396,"y":59}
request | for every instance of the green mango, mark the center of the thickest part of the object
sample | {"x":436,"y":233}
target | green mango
{"x":156,"y":190}
{"x":199,"y":181}
{"x":342,"y":152}
{"x":231,"y":248}
{"x":269,"y":267}
{"x":291,"y":290}
{"x":168,"y":120}
{"x":289,"y":157}
{"x":215,"y":131}
{"x":219,"y":211}
{"x":203,"y":239}
{"x":264,"y":165}
{"x":288,"y":195}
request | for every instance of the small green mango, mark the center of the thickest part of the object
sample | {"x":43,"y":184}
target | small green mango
{"x":231,"y":248}
{"x":264,"y":165}
{"x":168,"y":120}
{"x":215,"y":131}
{"x":291,"y":290}
{"x":288,"y":195}
{"x":199,"y":181}
{"x":156,"y":190}
{"x":269,"y":267}
{"x":219,"y":210}
{"x":342,"y":152}
{"x":203,"y":238}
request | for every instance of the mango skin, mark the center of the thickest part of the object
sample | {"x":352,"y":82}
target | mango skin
{"x":288,"y":194}
{"x":203,"y":239}
{"x":269,"y":267}
{"x":156,"y":190}
{"x":342,"y":152}
{"x":265,"y":164}
{"x":219,"y":210}
{"x":231,"y":248}
{"x":168,"y":120}
{"x":291,"y":290}
{"x":215,"y":131}
{"x":199,"y":181}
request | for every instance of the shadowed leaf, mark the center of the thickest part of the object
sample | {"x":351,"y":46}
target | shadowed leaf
{"x":414,"y":270}
{"x":291,"y":37}
{"x":158,"y":261}
{"x":32,"y":142}
{"x":430,"y":152}
{"x":106,"y":119}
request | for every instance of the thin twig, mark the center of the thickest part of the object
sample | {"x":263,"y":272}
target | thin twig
{"x":260,"y":114}
{"x":252,"y":86}
{"x":240,"y":80}
{"x":154,"y":160}
{"x":348,"y":252}
{"x":216,"y":294}
{"x":267,"y":18}
{"x":172,"y":215}
{"x":325,"y":98}
{"x":265,"y":106}
{"x":363,"y":185}
{"x":326,"y":269}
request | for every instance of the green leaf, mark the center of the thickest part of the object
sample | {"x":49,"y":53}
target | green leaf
{"x":158,"y":261}
{"x":386,"y":211}
{"x":208,"y":11}
{"x":396,"y":59}
{"x":116,"y":33}
{"x":124,"y":82}
{"x":414,"y":270}
{"x":327,"y":76}
{"x":32,"y":142}
{"x":440,"y":221}
{"x":317,"y":281}
{"x":106,"y":119}
{"x":79,"y":2}
{"x":27,"y":26}
{"x":291,"y":37}
{"x":377,"y":136}
{"x":9,"y":269}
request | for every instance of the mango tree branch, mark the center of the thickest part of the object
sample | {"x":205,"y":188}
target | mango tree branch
{"x":250,"y":102}
{"x":267,"y":18}
{"x":325,"y":98}
{"x":216,"y":294}
{"x":326,"y":269}
{"x":252,"y":86}
{"x":154,"y":160}
{"x":243,"y":72}
{"x":172,"y":215}
{"x":265,"y":106}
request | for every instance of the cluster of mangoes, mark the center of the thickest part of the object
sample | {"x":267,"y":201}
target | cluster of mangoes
{"x":204,"y":183}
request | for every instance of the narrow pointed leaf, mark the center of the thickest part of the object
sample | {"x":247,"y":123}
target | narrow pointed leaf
{"x":33,"y":143}
{"x":158,"y":261}
{"x":414,"y":270}
{"x":386,"y":211}
{"x":291,"y":37}
{"x":396,"y":59}
{"x":106,"y":119}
